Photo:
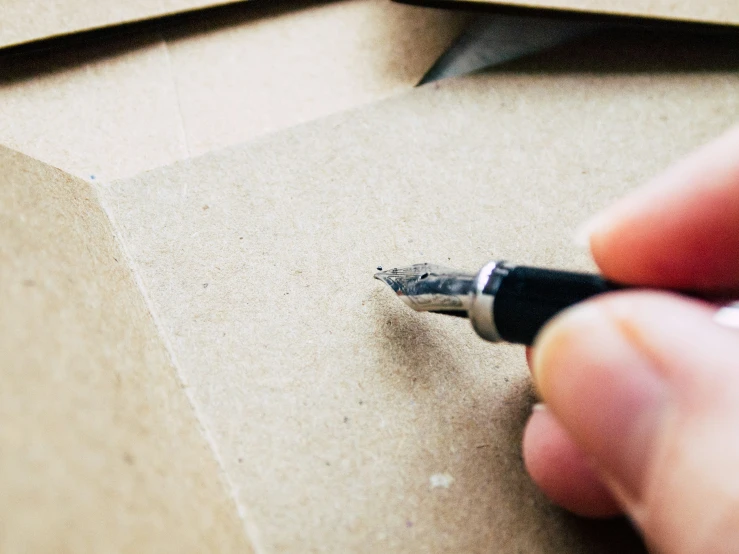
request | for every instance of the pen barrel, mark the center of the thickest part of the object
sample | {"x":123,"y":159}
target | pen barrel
{"x":528,"y":297}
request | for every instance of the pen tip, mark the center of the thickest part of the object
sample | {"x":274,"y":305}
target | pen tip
{"x":387,"y":276}
{"x":429,"y":287}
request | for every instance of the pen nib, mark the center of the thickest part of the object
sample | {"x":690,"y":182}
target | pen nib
{"x":430,"y":288}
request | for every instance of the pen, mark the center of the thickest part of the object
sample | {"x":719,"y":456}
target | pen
{"x":504,"y":302}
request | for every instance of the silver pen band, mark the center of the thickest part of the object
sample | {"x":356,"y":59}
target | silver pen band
{"x":486,"y":285}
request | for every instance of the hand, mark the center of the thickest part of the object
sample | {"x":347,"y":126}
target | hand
{"x":641,"y":389}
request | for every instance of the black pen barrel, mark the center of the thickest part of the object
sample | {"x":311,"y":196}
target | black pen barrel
{"x":528,"y":297}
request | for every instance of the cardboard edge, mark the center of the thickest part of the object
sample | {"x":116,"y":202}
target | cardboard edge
{"x":86,"y":34}
{"x":613,"y":17}
{"x":248,"y":525}
{"x":247,"y":532}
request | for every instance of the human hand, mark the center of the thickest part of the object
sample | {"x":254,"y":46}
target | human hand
{"x":641,"y":389}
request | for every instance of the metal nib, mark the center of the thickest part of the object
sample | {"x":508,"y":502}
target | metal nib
{"x":431,"y":288}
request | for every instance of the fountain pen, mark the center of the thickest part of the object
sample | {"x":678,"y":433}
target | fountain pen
{"x":504,"y":302}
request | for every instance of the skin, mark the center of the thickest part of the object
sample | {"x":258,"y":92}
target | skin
{"x":640,"y":390}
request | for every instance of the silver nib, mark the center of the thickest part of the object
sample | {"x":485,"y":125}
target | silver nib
{"x":431,"y":288}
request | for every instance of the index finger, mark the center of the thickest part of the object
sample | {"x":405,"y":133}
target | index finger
{"x":681,"y":230}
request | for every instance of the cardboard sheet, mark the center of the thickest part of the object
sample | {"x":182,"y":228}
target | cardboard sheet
{"x":101,"y":451}
{"x":29,"y":20}
{"x":720,"y":12}
{"x":121,"y":105}
{"x":345,"y":421}
{"x":96,"y":111}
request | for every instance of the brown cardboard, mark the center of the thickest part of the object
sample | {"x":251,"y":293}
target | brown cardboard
{"x":101,"y":451}
{"x":121,"y":105}
{"x":345,"y":421}
{"x":270,"y":69}
{"x":29,"y":20}
{"x":98,"y":111}
{"x":720,"y":12}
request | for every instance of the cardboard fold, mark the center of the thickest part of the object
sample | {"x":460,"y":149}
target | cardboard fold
{"x":121,"y":104}
{"x":101,"y":449}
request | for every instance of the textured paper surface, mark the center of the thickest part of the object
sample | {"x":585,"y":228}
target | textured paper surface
{"x":122,"y":105}
{"x":28,"y":20}
{"x":98,"y":111}
{"x":345,"y":421}
{"x":722,"y":12}
{"x":272,"y":68}
{"x":100,"y":448}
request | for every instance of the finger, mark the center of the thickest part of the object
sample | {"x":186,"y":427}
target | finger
{"x":680,"y":231}
{"x":561,"y":470}
{"x":529,"y":355}
{"x":647,"y":386}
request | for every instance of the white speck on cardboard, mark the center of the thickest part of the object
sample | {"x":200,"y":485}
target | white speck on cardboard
{"x":441,"y":481}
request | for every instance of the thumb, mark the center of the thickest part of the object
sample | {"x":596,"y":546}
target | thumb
{"x":647,"y":384}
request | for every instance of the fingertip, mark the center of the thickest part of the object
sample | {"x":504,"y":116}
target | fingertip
{"x":602,"y":387}
{"x":590,"y":232}
{"x":561,"y":469}
{"x":554,"y":338}
{"x":678,"y":230}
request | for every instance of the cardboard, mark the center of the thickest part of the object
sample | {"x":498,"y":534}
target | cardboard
{"x":101,"y":451}
{"x":344,"y":421}
{"x":25,"y":21}
{"x":717,"y":12}
{"x":119,"y":105}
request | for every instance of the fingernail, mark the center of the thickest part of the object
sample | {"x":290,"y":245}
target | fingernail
{"x":603,"y":389}
{"x":728,"y":316}
{"x":581,"y":236}
{"x":583,"y":233}
{"x":539,"y":407}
